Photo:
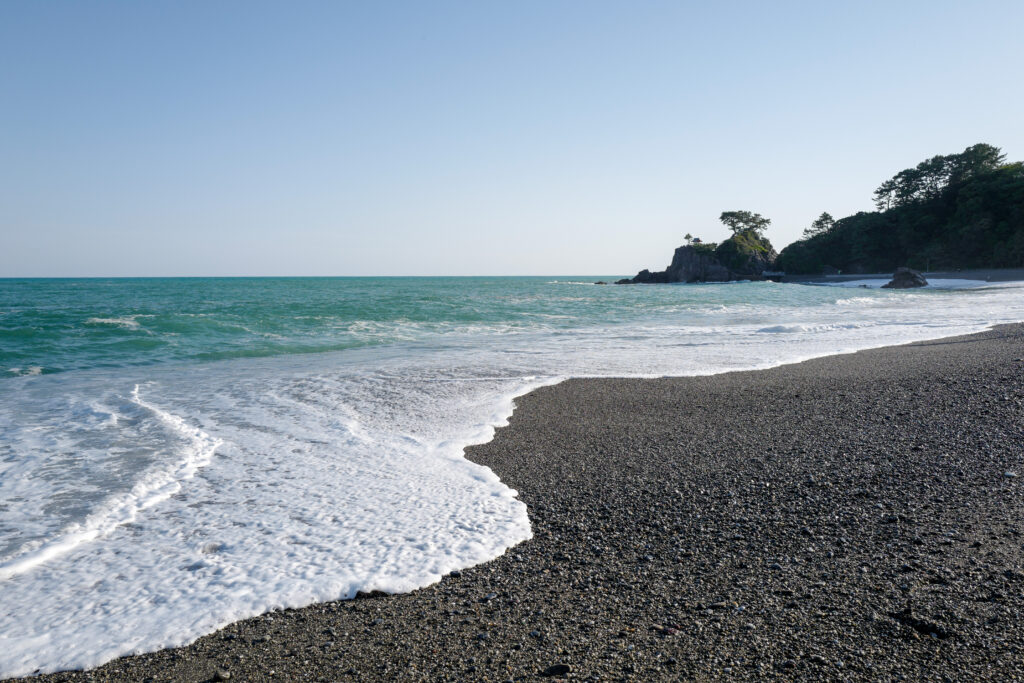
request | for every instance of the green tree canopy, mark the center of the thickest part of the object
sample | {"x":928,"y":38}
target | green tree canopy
{"x":741,"y":221}
{"x":820,"y":226}
{"x":961,"y":210}
{"x":930,"y":178}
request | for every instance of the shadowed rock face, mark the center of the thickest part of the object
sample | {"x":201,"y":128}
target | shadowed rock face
{"x":905,"y":278}
{"x":690,"y":264}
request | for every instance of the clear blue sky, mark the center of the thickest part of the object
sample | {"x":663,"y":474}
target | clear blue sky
{"x":461,"y":138}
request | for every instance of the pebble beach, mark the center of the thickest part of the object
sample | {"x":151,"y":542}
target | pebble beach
{"x":853,"y":517}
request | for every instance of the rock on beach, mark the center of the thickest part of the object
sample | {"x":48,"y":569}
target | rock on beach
{"x":905,"y":278}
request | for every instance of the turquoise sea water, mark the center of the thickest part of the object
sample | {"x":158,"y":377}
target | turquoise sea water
{"x":176,"y":454}
{"x":55,"y":325}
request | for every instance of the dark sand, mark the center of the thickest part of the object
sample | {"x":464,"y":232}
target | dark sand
{"x":849,"y":518}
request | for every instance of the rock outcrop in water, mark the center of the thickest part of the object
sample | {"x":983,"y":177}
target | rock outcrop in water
{"x":744,"y":256}
{"x":905,"y":278}
{"x":688,"y":265}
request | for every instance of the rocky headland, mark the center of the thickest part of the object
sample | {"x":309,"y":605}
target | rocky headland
{"x":744,"y":256}
{"x":951,"y":212}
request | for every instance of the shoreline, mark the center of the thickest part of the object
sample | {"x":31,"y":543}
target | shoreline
{"x":982,"y":274}
{"x":627,"y":481}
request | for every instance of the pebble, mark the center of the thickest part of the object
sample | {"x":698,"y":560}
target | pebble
{"x":557,"y":670}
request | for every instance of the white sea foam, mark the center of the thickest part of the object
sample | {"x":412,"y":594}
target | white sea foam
{"x":26,"y":372}
{"x":151,"y":506}
{"x":799,"y":328}
{"x":151,"y":487}
{"x":128,"y":322}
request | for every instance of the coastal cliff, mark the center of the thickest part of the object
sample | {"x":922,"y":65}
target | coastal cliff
{"x":744,"y":256}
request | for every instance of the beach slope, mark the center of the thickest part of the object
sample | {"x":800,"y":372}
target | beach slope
{"x":854,"y":517}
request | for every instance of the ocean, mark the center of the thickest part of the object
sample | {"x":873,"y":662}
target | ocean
{"x":177,"y":454}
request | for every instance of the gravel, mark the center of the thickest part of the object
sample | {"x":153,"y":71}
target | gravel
{"x":848,"y":518}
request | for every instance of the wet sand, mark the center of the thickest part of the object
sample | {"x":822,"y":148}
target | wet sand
{"x":855,"y":517}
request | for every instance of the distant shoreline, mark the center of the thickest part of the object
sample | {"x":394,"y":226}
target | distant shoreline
{"x":986,"y":274}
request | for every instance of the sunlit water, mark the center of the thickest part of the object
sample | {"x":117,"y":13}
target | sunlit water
{"x":178,"y":454}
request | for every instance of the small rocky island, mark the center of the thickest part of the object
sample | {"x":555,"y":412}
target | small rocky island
{"x":744,"y":256}
{"x":906,"y":278}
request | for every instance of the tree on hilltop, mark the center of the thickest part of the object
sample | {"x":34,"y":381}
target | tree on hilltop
{"x":742,"y":221}
{"x":820,"y":226}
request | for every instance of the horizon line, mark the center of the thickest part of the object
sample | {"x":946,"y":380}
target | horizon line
{"x":240,"y":277}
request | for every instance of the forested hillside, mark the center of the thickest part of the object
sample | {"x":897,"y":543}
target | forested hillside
{"x":957,"y":211}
